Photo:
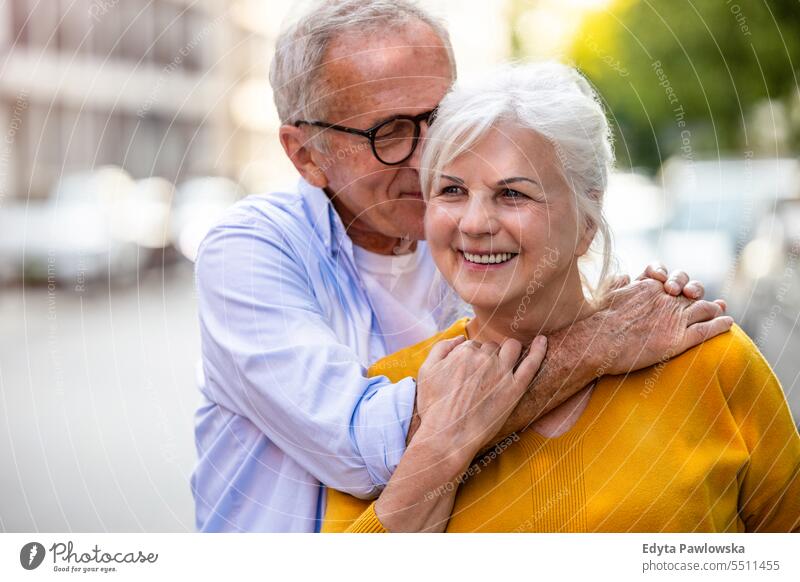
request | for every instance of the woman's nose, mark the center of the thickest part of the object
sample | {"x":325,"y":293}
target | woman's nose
{"x":477,"y":218}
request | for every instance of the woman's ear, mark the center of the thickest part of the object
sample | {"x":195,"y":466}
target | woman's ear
{"x":589,"y":226}
{"x":297,"y":147}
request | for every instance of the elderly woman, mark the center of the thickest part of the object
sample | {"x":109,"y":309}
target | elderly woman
{"x":514,"y":172}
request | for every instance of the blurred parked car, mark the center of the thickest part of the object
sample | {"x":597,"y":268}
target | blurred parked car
{"x":73,"y":236}
{"x":766,"y":295}
{"x":199,"y":203}
{"x":147,"y":213}
{"x":102,"y":224}
{"x":715,"y":206}
{"x":636,"y":212}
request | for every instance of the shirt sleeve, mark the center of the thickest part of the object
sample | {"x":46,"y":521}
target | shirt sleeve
{"x":769,"y":492}
{"x":270,"y":354}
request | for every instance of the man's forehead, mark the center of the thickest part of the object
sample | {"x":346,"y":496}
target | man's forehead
{"x":399,"y":72}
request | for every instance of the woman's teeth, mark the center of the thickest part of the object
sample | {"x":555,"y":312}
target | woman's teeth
{"x":489,"y":259}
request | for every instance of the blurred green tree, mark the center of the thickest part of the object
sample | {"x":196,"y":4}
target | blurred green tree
{"x":684,"y":76}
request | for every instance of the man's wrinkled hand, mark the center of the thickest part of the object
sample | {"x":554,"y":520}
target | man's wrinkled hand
{"x":676,"y":282}
{"x":640,"y":324}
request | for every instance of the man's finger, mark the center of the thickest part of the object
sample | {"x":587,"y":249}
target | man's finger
{"x":440,"y":349}
{"x":655,"y":271}
{"x":694,"y":290}
{"x":700,"y":332}
{"x":722,"y":303}
{"x":676,"y":282}
{"x":619,"y":282}
{"x":530,"y":365}
{"x":702,"y":311}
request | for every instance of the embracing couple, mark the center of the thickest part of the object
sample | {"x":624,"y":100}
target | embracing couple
{"x":407,"y":343}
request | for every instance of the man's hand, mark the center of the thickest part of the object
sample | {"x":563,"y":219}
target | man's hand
{"x":657,"y":317}
{"x":675,"y":283}
{"x":639,"y":325}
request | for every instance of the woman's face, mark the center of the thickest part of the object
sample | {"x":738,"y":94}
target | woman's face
{"x":503,"y":224}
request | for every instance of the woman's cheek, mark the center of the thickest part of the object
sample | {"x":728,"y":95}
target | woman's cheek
{"x":528,"y":225}
{"x":438,"y":225}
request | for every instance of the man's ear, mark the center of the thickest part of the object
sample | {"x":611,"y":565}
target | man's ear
{"x":297,"y":147}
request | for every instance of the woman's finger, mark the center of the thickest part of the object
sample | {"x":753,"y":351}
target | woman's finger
{"x":440,"y":349}
{"x":490,"y":347}
{"x":509,"y":353}
{"x":530,"y":365}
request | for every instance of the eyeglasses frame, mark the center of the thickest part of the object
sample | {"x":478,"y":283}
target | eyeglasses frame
{"x":427,"y":116}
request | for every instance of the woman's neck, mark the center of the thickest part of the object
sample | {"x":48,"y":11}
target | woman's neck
{"x":555,"y":306}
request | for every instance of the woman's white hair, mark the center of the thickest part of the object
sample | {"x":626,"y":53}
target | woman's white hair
{"x":550,"y":98}
{"x":295,"y":72}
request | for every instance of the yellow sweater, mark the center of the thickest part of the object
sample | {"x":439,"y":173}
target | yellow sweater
{"x":702,"y":443}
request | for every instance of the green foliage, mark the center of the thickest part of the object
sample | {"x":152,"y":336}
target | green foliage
{"x":686,"y":73}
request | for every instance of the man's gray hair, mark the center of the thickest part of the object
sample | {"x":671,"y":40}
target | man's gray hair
{"x":295,"y":73}
{"x":550,"y":98}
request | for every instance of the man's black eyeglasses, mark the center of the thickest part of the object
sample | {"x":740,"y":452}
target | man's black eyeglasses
{"x":393,"y":140}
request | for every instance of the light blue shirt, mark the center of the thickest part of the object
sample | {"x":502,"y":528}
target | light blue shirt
{"x":287,"y":331}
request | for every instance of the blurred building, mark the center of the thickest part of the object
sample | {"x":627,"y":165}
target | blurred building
{"x":171,"y":88}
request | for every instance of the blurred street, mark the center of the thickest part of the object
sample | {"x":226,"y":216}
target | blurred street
{"x":97,"y":396}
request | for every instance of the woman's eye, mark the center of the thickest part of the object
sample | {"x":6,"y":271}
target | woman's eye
{"x":509,"y":193}
{"x":452,"y":190}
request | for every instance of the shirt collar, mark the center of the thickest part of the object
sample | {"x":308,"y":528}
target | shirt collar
{"x":325,"y":219}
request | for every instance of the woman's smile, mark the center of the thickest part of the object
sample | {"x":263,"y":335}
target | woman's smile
{"x":485,"y":261}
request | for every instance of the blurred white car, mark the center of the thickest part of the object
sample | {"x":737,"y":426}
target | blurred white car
{"x":146,"y":213}
{"x":714,"y":208}
{"x":198,"y":204}
{"x":766,"y":296}
{"x":635,"y":209}
{"x":101,"y":223}
{"x":74,"y":235}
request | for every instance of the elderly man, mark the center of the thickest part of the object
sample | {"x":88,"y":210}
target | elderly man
{"x":299,"y":291}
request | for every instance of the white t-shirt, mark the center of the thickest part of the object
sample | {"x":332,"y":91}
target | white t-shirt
{"x":411,"y":299}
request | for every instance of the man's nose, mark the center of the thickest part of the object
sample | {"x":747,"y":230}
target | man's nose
{"x":477,"y":218}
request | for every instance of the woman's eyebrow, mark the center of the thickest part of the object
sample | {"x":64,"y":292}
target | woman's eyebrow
{"x":455,"y":179}
{"x":506,"y":181}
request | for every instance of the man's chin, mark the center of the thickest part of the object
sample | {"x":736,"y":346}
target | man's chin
{"x":409,"y":229}
{"x":416,"y":234}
